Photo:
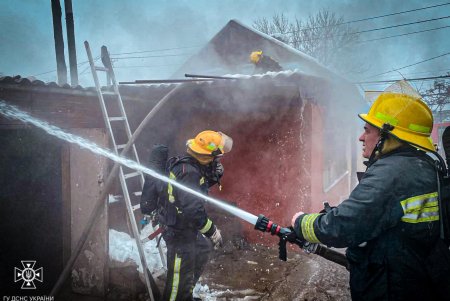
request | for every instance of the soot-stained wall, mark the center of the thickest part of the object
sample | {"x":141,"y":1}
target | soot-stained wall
{"x":48,"y":188}
{"x":269,"y":169}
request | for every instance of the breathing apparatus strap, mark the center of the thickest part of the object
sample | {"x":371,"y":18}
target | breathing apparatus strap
{"x":384,"y":134}
{"x":442,"y":181}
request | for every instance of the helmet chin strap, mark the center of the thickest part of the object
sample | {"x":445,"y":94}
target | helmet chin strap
{"x":384,"y":133}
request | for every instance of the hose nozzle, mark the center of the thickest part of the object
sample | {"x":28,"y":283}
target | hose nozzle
{"x":265,"y":225}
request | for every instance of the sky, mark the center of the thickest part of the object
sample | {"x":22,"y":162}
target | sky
{"x":184,"y":26}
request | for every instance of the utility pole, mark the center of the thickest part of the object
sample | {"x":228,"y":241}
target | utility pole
{"x":71,"y":43}
{"x":59,"y":43}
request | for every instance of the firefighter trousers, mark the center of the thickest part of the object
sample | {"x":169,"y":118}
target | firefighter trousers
{"x":185,"y":263}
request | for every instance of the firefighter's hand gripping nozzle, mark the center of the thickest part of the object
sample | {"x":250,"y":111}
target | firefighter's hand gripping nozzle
{"x":288,"y":235}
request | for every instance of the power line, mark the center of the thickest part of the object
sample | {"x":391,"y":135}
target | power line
{"x":397,"y":13}
{"x":377,"y":29}
{"x":123,"y":53}
{"x":79,"y":64}
{"x":149,"y":66}
{"x":407,"y":79}
{"x":84,"y":70}
{"x":148,"y":56}
{"x":400,"y":25}
{"x":368,"y":18}
{"x":404,"y":34}
{"x":397,"y":69}
{"x":155,"y":50}
{"x":429,"y":71}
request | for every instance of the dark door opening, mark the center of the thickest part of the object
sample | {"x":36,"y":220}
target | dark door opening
{"x":31,"y":222}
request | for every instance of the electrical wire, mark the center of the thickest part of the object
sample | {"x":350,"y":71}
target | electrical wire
{"x":149,"y":56}
{"x":404,"y":34}
{"x":79,"y":64}
{"x":397,"y":13}
{"x":149,"y":66}
{"x":368,"y":18}
{"x":407,"y":79}
{"x":155,"y":50}
{"x":400,"y":25}
{"x":374,"y":29}
{"x":410,"y":65}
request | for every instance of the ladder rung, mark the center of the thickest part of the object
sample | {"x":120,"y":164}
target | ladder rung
{"x":136,"y":207}
{"x":116,"y":118}
{"x":120,"y":146}
{"x":137,"y":193}
{"x":158,"y":273}
{"x":130,"y":175}
{"x":99,"y":68}
{"x":109,"y":93}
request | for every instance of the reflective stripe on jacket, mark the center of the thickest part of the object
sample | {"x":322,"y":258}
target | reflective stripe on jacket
{"x":190,"y":212}
{"x":390,"y":223}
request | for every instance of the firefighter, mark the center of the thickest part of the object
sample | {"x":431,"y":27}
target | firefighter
{"x":390,"y":222}
{"x":264,"y":63}
{"x":186,"y":222}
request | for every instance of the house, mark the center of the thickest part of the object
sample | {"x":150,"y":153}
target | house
{"x":228,"y":52}
{"x":294,"y":135}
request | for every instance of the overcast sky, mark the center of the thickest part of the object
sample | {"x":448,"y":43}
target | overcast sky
{"x":27,"y":45}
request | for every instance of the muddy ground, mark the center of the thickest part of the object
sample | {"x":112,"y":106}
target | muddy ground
{"x":244,"y":270}
{"x":254,"y":272}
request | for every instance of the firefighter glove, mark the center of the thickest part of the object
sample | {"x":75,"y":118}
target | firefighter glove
{"x":214,"y":172}
{"x":216,"y":239}
{"x":294,"y":218}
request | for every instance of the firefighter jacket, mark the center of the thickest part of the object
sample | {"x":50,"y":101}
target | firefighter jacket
{"x":390,"y":223}
{"x":265,"y":64}
{"x":185,"y":213}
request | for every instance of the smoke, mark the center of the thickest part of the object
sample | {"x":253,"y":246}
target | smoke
{"x":24,"y":46}
{"x":145,"y":25}
{"x":148,"y":25}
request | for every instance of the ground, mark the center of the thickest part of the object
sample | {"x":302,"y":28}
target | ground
{"x":243,"y":272}
{"x":254,"y":272}
{"x":240,"y":270}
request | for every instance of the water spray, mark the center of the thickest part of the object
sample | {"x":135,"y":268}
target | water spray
{"x":261,"y":223}
{"x":13,"y":112}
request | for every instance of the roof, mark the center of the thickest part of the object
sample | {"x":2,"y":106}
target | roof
{"x":228,"y":52}
{"x":32,"y":84}
{"x":316,"y":88}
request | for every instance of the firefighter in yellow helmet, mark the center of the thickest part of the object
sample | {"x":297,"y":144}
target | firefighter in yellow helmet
{"x":390,"y":222}
{"x":189,"y":232}
{"x":264,"y":63}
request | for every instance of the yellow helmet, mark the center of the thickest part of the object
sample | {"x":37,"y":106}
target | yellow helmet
{"x":410,"y":117}
{"x":255,"y":56}
{"x":210,"y":143}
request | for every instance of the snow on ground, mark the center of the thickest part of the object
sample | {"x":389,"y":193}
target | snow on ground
{"x":207,"y":294}
{"x":114,"y":198}
{"x":123,"y":250}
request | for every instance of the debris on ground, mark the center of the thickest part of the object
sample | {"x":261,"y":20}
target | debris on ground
{"x":239,"y":272}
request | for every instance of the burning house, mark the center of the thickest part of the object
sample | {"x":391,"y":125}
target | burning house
{"x":294,"y":135}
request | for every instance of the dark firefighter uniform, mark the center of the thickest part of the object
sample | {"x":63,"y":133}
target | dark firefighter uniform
{"x":182,"y":214}
{"x":264,"y":63}
{"x":390,"y":223}
{"x":186,"y":224}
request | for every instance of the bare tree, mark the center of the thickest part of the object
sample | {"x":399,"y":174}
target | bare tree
{"x":438,"y":97}
{"x":323,"y":36}
{"x":278,"y":25}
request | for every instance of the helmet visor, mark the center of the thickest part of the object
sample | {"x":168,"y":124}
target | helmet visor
{"x":226,"y":143}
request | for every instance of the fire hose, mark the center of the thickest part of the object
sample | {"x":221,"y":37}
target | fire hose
{"x":288,"y":235}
